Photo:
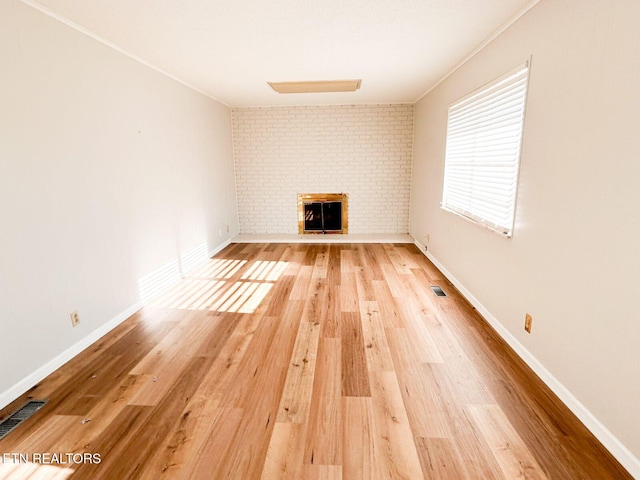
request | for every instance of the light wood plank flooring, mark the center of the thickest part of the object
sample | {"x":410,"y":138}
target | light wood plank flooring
{"x":299,"y":361}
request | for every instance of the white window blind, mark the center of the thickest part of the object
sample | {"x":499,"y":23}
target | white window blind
{"x":484,"y":135}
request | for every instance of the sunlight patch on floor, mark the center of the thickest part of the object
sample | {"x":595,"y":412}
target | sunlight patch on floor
{"x":22,"y":471}
{"x":208,"y":286}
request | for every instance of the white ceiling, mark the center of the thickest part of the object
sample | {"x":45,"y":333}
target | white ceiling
{"x":230,"y":49}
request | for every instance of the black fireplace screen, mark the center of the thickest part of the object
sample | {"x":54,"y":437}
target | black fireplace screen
{"x":323,"y":217}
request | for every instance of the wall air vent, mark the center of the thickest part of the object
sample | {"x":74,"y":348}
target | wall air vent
{"x":15,"y":419}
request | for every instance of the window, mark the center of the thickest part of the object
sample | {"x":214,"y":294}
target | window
{"x":484,"y":135}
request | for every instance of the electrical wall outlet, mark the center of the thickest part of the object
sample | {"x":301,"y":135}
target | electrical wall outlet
{"x":75,"y":318}
{"x":228,"y":228}
{"x":528,"y":320}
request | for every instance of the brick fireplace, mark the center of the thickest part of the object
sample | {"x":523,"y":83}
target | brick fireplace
{"x":364,"y":150}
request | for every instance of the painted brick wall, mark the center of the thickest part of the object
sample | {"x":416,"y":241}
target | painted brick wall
{"x":362,"y":150}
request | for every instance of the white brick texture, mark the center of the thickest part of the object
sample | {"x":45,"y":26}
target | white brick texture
{"x":361,"y":150}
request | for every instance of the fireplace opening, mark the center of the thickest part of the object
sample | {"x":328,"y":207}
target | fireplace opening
{"x":323,"y":216}
{"x":322,"y":213}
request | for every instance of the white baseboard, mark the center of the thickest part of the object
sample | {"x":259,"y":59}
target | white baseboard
{"x":610,"y":441}
{"x":219,"y":248}
{"x":29,"y":381}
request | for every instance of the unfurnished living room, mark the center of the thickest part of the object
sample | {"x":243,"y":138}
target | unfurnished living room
{"x":320,"y":240}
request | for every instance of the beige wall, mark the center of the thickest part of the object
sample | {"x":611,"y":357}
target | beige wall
{"x":574,"y":259}
{"x":108,"y":171}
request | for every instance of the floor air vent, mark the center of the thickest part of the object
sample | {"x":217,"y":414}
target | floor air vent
{"x":12,"y":421}
{"x":438,"y":292}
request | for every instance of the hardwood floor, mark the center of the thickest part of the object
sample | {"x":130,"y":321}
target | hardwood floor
{"x":298,"y":361}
